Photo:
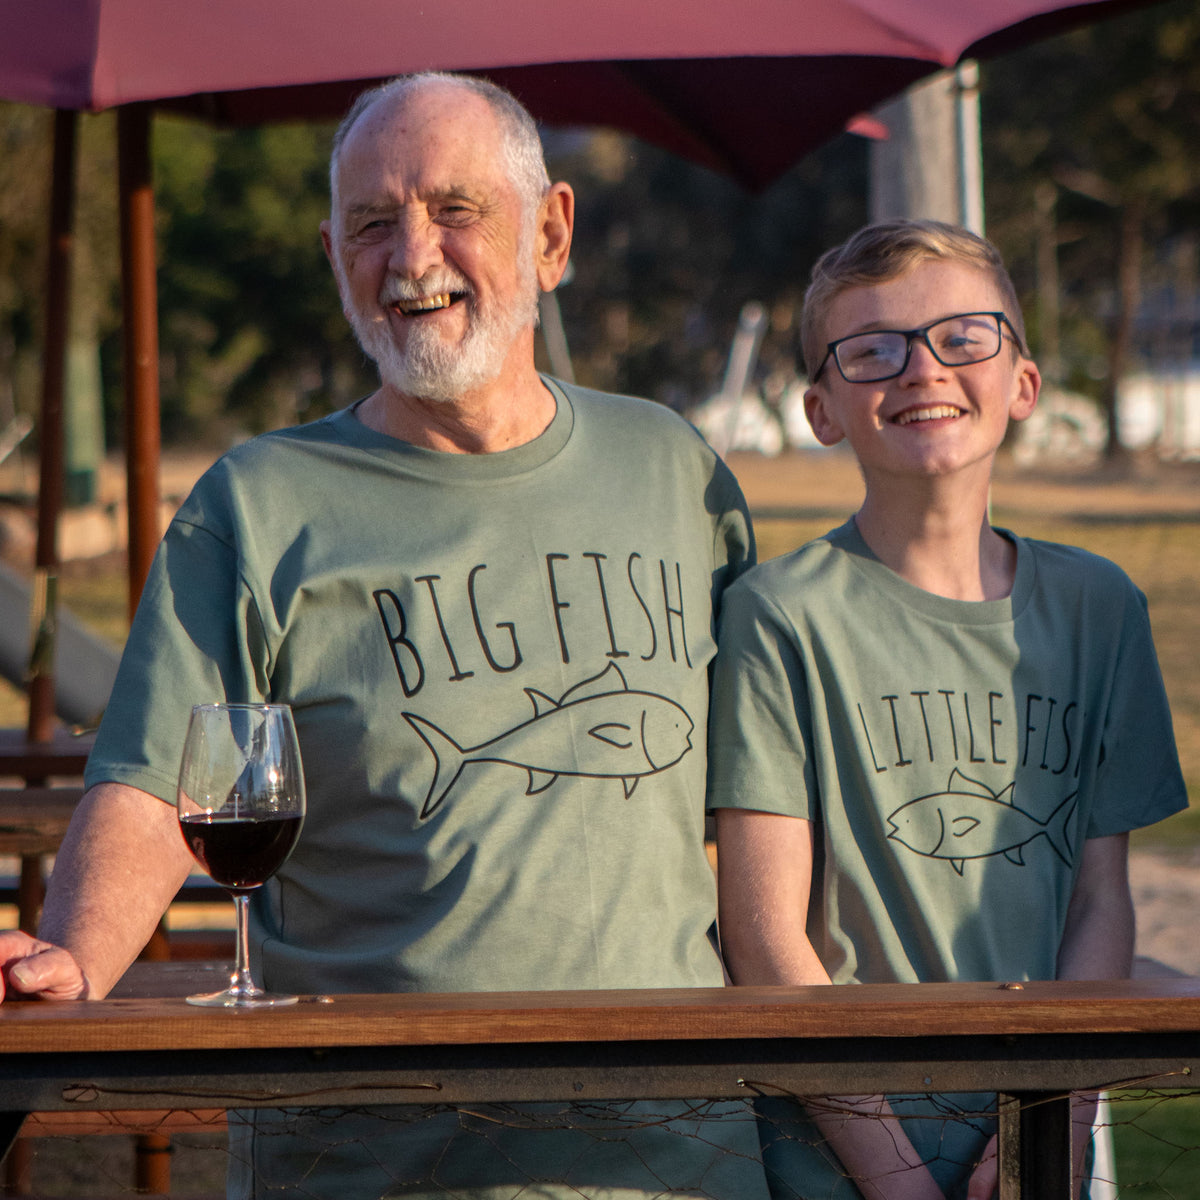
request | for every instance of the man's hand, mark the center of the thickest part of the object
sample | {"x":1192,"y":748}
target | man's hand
{"x":32,"y":968}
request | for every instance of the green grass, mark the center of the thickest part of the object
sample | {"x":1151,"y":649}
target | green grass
{"x":1156,"y":1142}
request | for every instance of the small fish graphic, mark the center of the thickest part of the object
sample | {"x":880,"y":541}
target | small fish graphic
{"x":599,"y":729}
{"x":969,"y":820}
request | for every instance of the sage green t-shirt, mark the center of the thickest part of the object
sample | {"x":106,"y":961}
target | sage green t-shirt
{"x":498,"y":666}
{"x":952,"y":755}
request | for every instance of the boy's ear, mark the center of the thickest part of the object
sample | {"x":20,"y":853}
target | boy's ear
{"x":816,"y":408}
{"x":1027,"y":386}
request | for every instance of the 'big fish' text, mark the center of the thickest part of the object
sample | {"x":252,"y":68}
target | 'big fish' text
{"x":638,"y":607}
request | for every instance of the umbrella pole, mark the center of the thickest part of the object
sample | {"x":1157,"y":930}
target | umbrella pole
{"x":140,"y":303}
{"x":40,"y":726}
{"x":140,"y":290}
{"x":50,"y":484}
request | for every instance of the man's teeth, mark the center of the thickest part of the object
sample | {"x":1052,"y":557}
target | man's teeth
{"x":927,"y":414}
{"x":424,"y":304}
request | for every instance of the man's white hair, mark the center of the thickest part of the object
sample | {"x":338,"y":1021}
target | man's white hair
{"x":520,"y":145}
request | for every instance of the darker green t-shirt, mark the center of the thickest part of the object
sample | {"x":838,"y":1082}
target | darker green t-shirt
{"x":953,"y":757}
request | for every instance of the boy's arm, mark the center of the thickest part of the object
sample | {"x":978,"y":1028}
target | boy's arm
{"x":1097,"y":943}
{"x":764,"y":866}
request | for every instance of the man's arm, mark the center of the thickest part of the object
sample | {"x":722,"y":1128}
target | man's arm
{"x":118,"y":868}
{"x":764,"y":865}
{"x":1097,"y":943}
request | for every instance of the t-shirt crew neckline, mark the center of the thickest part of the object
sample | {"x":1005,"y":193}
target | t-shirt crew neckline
{"x":942,"y":608}
{"x":463,"y":468}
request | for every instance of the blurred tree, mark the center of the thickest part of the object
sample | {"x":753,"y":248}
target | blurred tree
{"x":252,"y":334}
{"x":1091,"y":170}
{"x":666,"y":254}
{"x":25,"y":138}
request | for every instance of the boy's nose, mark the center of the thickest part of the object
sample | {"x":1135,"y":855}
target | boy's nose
{"x":922,"y":361}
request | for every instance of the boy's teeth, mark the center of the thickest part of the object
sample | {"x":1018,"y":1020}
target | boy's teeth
{"x":927,"y":414}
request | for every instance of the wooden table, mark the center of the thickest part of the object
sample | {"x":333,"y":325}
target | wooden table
{"x":1033,"y":1044}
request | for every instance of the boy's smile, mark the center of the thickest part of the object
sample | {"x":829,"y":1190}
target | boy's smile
{"x":931,"y":419}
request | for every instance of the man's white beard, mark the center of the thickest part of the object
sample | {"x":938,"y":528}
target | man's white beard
{"x":429,"y":367}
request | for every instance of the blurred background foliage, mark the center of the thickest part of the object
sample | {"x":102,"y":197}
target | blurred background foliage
{"x":1092,"y":190}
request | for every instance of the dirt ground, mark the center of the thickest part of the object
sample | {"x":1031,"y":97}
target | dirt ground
{"x":828,"y":482}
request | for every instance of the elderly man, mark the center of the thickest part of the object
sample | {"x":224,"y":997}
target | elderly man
{"x":489,"y":599}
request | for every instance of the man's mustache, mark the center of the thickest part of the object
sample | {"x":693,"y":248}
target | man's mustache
{"x":435,"y":282}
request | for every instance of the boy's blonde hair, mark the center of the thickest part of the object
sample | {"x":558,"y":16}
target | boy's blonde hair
{"x":887,"y":250}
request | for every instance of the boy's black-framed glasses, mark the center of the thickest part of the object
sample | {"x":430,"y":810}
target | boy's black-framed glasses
{"x":883,"y":354}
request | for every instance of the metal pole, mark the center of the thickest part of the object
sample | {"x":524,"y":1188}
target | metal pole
{"x":970,"y":154}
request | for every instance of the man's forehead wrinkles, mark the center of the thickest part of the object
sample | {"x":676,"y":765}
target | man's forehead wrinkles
{"x":415,"y":197}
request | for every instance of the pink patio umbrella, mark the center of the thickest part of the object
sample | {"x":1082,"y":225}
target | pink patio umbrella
{"x":744,"y":86}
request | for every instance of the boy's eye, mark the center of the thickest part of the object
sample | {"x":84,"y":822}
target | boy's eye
{"x":962,"y":334}
{"x":868,"y":349}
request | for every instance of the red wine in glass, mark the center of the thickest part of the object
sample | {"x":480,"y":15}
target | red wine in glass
{"x":241,"y":808}
{"x":240,"y":854}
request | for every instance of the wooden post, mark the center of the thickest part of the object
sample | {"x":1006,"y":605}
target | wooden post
{"x":140,"y":298}
{"x":138,"y":262}
{"x":50,"y":485}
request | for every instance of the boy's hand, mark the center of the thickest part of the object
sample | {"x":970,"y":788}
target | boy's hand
{"x":30,"y":968}
{"x":985,"y":1177}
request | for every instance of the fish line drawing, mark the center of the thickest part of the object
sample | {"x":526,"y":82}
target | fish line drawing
{"x":968,"y":820}
{"x":599,"y":728}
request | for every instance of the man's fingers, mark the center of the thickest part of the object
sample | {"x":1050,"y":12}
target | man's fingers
{"x":33,"y":968}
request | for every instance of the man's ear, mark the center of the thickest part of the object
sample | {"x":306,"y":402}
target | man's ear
{"x":816,"y":408}
{"x":552,"y":245}
{"x":327,"y":242}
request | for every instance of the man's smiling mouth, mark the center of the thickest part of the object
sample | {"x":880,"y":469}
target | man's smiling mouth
{"x":937,"y":413}
{"x":424,"y":304}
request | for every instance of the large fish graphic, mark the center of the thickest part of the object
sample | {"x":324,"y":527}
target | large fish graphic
{"x":599,"y":729}
{"x":969,"y":820}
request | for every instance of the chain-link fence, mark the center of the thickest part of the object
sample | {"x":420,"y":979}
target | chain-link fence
{"x":1146,"y":1146}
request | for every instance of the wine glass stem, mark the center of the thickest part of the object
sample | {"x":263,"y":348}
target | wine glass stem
{"x":241,"y":968}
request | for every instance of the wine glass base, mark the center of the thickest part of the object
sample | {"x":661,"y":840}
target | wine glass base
{"x":231,"y":998}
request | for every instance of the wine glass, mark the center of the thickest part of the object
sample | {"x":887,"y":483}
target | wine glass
{"x":241,"y":805}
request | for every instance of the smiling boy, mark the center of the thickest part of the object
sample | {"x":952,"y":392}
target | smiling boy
{"x":930,"y":737}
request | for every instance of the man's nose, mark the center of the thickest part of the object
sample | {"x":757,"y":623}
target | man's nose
{"x":416,"y":246}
